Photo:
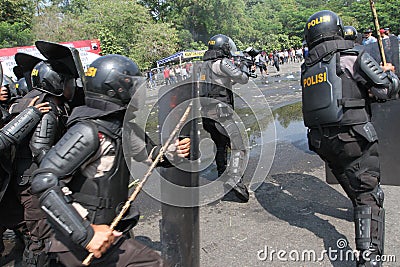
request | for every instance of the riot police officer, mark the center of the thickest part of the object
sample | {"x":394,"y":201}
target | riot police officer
{"x":83,"y":180}
{"x":218,"y":74}
{"x":13,"y":133}
{"x":349,"y":33}
{"x":338,"y":84}
{"x":55,"y":88}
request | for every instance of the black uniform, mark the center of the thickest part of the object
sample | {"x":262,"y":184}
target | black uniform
{"x":218,"y":74}
{"x":337,"y":83}
{"x":83,"y":179}
{"x":28,"y":156}
{"x":13,"y":133}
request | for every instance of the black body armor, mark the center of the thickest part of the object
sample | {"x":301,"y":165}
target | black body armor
{"x":101,"y":196}
{"x":210,"y":87}
{"x":332,"y":96}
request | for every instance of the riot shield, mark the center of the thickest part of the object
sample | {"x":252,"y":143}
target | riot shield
{"x":391,"y":48}
{"x":386,"y":120}
{"x":26,"y":64}
{"x":62,"y":59}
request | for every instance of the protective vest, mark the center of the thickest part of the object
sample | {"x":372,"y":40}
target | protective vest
{"x":329,"y":96}
{"x":102,"y":196}
{"x":210,"y":87}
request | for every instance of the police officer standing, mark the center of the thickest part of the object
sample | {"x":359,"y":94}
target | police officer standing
{"x":338,"y":85}
{"x":218,"y":74}
{"x":83,"y":180}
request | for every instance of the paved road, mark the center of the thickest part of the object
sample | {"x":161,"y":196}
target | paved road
{"x":292,"y":210}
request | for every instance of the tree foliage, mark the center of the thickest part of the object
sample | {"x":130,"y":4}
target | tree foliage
{"x":147,"y":30}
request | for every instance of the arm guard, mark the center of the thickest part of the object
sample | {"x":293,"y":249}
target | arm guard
{"x":230,"y":69}
{"x":73,"y":149}
{"x":379,"y":78}
{"x":44,"y":137}
{"x":19,"y":127}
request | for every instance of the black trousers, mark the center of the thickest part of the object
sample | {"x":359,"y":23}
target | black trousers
{"x":221,"y":141}
{"x":355,"y":161}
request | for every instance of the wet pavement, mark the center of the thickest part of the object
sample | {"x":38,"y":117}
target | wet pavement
{"x":292,"y":213}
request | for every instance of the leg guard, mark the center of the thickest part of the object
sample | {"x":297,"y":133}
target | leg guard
{"x":369,"y":243}
{"x":235,"y":182}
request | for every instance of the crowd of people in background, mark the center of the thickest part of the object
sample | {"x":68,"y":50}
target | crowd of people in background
{"x":171,"y":74}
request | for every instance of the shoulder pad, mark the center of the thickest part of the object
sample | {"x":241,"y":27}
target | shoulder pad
{"x":73,"y":149}
{"x":372,"y":69}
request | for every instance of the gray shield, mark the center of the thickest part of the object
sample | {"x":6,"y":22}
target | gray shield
{"x":386,"y":120}
{"x":391,"y":48}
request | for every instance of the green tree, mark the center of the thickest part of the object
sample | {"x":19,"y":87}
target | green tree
{"x":15,"y":25}
{"x":122,"y":26}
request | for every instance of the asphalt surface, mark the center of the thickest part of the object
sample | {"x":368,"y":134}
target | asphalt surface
{"x":293,"y":215}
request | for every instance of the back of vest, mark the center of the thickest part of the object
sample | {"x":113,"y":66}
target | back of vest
{"x":321,"y":92}
{"x":210,"y":86}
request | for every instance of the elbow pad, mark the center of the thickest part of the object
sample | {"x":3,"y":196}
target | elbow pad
{"x":22,"y":125}
{"x":373,"y":71}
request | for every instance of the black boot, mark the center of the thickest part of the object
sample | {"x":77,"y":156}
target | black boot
{"x":239,"y":188}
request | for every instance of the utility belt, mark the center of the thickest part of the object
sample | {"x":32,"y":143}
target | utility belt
{"x":333,"y":129}
{"x":345,"y":132}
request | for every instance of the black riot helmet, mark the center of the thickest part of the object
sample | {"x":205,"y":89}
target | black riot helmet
{"x":112,"y":78}
{"x":223,"y":44}
{"x":350,"y":33}
{"x":46,"y":80}
{"x":22,"y":87}
{"x":322,"y":26}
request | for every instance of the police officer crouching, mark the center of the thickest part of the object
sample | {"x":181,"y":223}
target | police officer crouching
{"x":218,"y":74}
{"x":84,"y":178}
{"x":338,"y":84}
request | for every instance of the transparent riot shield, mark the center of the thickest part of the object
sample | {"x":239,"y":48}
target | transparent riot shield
{"x":191,"y":182}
